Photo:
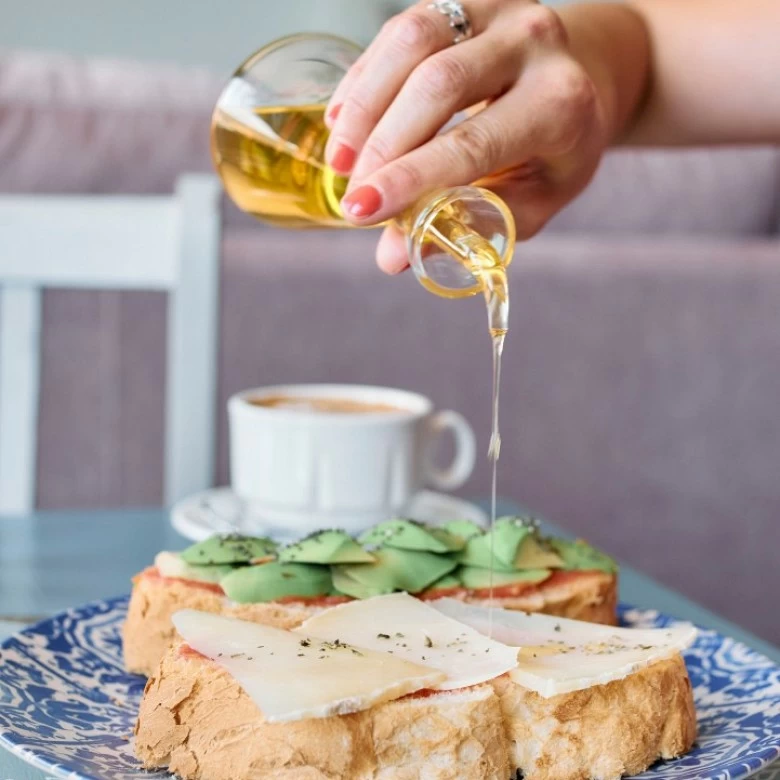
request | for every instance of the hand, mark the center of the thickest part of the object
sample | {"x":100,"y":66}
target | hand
{"x":536,"y":142}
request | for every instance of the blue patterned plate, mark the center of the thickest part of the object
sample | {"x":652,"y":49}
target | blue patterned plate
{"x":68,"y":707}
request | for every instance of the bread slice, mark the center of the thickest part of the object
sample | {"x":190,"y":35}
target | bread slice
{"x":196,"y":721}
{"x":148,"y":631}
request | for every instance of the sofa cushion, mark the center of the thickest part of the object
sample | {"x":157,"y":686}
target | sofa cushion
{"x":714,"y":192}
{"x":69,"y":124}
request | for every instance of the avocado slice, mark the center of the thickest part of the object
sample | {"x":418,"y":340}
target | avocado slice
{"x":274,"y":580}
{"x":516,"y":544}
{"x":229,"y":548}
{"x":325,"y":547}
{"x":411,"y":535}
{"x":580,"y":556}
{"x":466,"y":529}
{"x":479,"y":579}
{"x":394,"y":569}
{"x":446,"y":582}
{"x":170,"y":564}
{"x":536,"y":552}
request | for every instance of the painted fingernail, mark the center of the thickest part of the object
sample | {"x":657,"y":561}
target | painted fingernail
{"x":362,"y":202}
{"x":343,"y":158}
{"x":333,"y":114}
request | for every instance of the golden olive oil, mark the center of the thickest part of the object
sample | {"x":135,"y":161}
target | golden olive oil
{"x":272,"y":164}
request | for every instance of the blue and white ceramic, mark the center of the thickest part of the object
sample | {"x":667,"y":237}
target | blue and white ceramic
{"x":68,"y":707}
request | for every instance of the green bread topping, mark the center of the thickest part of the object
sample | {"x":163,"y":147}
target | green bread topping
{"x":410,"y":535}
{"x":466,"y":529}
{"x":403,"y":555}
{"x":229,"y":548}
{"x":446,"y":582}
{"x":274,"y":581}
{"x":580,"y":556}
{"x":516,"y":544}
{"x":326,"y":547}
{"x":393,"y":570}
{"x":479,"y":579}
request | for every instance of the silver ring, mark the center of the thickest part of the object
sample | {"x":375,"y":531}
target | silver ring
{"x":459,"y":20}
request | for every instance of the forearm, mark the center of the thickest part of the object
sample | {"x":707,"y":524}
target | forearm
{"x":709,"y":69}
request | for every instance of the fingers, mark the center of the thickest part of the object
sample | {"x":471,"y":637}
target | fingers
{"x":404,"y":42}
{"x":462,"y":155}
{"x":545,"y":115}
{"x":391,"y":255}
{"x":337,"y":98}
{"x":438,"y":88}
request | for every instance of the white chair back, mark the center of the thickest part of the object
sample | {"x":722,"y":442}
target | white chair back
{"x":168,"y":243}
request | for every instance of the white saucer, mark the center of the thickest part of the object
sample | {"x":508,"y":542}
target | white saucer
{"x":219,"y":511}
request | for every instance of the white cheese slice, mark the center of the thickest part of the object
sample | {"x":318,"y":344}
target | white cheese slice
{"x":408,"y":628}
{"x":559,"y":656}
{"x":289,"y":678}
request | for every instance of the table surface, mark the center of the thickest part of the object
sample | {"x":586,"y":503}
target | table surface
{"x":50,"y":561}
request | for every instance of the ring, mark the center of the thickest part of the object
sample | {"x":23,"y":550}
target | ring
{"x":459,"y":20}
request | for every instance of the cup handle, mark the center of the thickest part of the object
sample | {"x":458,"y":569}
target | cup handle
{"x":454,"y":475}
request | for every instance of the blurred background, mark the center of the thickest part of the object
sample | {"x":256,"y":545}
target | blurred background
{"x":641,"y":395}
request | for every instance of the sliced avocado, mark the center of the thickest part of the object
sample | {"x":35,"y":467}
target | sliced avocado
{"x":170,"y":564}
{"x":477,"y":553}
{"x":411,"y":535}
{"x":409,"y":570}
{"x":466,"y":529}
{"x":274,"y":580}
{"x":229,"y":548}
{"x":346,"y":585}
{"x":580,"y":556}
{"x":446,"y":582}
{"x":536,"y":552}
{"x":478,"y":579}
{"x":325,"y":547}
{"x":503,"y":541}
{"x":516,"y":544}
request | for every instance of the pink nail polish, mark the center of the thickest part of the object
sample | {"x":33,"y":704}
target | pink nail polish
{"x":333,"y":114}
{"x":343,"y":158}
{"x":362,"y":202}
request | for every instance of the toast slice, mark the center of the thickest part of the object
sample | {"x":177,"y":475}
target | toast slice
{"x":148,"y":631}
{"x":197,"y":722}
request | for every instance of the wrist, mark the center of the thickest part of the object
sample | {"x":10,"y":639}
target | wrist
{"x":610,"y":42}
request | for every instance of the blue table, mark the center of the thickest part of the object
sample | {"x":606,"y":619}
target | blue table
{"x":50,"y":561}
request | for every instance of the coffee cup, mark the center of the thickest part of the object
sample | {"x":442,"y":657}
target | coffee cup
{"x":310,"y":456}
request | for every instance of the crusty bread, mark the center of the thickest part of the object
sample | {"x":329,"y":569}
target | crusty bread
{"x":602,"y":732}
{"x":148,"y":631}
{"x":197,"y":721}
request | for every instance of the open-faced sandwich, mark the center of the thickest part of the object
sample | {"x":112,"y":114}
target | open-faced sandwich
{"x":394,"y":687}
{"x":254,"y":579}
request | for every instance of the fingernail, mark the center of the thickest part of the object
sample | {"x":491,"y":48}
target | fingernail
{"x":362,"y":202}
{"x":333,"y":114}
{"x":343,"y":158}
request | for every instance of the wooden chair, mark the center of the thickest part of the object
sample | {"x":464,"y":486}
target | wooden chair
{"x":166,"y":243}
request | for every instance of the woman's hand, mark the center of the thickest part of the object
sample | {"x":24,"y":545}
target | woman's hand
{"x":538,"y":139}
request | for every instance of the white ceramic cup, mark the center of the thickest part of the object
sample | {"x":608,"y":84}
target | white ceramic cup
{"x":299,"y":469}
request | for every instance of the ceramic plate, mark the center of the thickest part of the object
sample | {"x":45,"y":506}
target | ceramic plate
{"x":68,"y":707}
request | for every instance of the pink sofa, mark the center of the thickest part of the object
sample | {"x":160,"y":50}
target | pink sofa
{"x":642,"y":382}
